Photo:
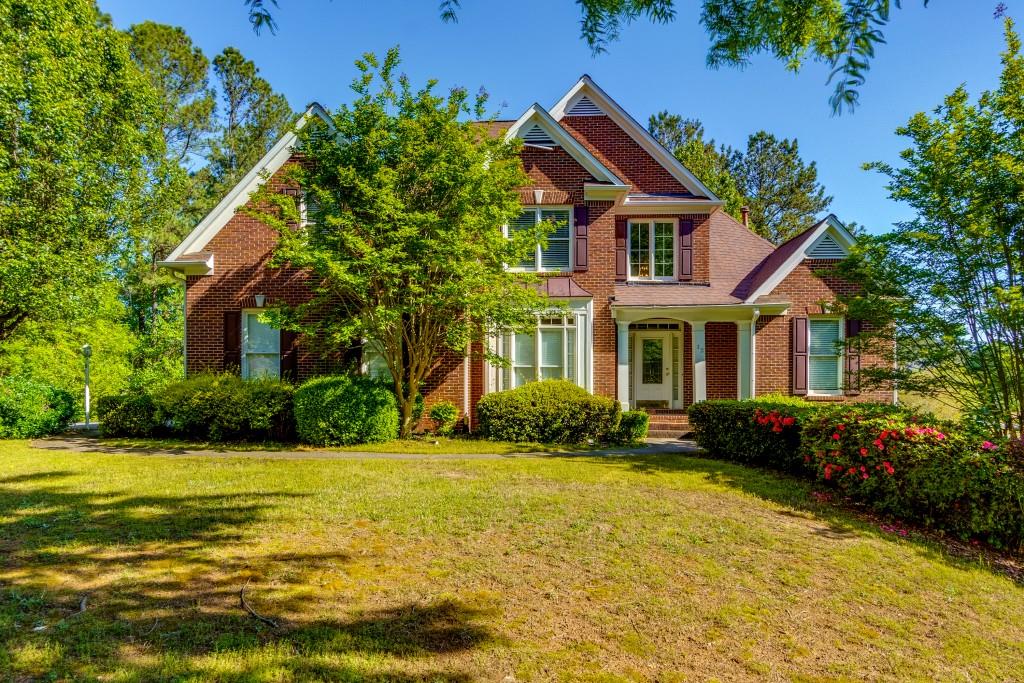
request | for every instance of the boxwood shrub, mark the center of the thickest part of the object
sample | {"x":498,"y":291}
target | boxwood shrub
{"x":341,"y":410}
{"x":445,"y":416}
{"x":131,"y":414}
{"x":225,"y":407}
{"x":633,"y":426}
{"x":30,"y":409}
{"x":552,"y":411}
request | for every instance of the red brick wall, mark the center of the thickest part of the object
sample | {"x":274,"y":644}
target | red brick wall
{"x":720,"y":355}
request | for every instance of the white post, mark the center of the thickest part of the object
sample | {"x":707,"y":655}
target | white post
{"x":700,"y":370}
{"x":87,"y":354}
{"x":743,"y":359}
{"x":622,"y":374}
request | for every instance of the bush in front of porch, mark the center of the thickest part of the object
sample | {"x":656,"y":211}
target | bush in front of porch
{"x":551,"y":411}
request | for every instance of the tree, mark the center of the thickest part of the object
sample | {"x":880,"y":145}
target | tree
{"x":254,"y":117}
{"x":405,"y":239}
{"x":841,"y":33}
{"x":945,"y":288}
{"x":685,"y":139}
{"x":782,"y":191}
{"x":79,"y":128}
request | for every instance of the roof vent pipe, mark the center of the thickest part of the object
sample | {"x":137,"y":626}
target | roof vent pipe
{"x":745,"y":212}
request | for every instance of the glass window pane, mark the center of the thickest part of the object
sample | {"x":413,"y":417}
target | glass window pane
{"x":263,"y":364}
{"x":651,"y":361}
{"x":823,"y":373}
{"x":823,"y":337}
{"x":551,"y":348}
{"x":639,"y":250}
{"x":261,"y":337}
{"x":560,"y":220}
{"x":525,"y":351}
{"x":555,"y":256}
{"x":525,"y":221}
{"x":664,"y":258}
{"x":570,"y":372}
{"x":523,"y":375}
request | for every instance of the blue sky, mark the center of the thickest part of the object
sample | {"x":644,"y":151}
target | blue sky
{"x":530,"y":51}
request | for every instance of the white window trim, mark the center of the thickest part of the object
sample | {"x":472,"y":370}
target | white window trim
{"x":649,"y":222}
{"x":538,"y":254}
{"x":244,"y":369}
{"x":841,"y":355}
{"x":583,"y":368}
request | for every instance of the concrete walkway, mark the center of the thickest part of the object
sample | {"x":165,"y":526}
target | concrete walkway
{"x":88,"y":444}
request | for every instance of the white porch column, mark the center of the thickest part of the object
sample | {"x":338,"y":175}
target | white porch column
{"x":700,"y":370}
{"x":622,"y":358}
{"x":743,"y":358}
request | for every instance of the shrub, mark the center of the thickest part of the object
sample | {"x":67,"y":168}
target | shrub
{"x":445,"y":415}
{"x":552,"y":411}
{"x":633,"y":427}
{"x":224,"y":407}
{"x":131,"y":414}
{"x":342,"y":410}
{"x":30,"y":409}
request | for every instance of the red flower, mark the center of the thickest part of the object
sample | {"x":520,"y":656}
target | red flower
{"x":888,"y":467}
{"x":788,"y":421}
{"x":841,"y":427}
{"x":863,"y":452}
{"x":828,"y":471}
{"x":835,"y":436}
{"x":878,"y":443}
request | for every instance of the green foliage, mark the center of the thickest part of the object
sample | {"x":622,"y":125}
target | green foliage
{"x":225,"y":407}
{"x":901,"y":464}
{"x":30,"y":409}
{"x":445,"y":416}
{"x":552,"y":411}
{"x":406,"y":235}
{"x":944,"y":289}
{"x":132,"y":414}
{"x":342,"y":410}
{"x":633,"y":426}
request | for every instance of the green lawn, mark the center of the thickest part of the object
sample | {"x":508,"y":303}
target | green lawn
{"x":415,"y":446}
{"x":554,"y":568}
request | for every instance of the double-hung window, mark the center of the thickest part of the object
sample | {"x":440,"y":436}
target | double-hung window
{"x":825,"y":356}
{"x":261,"y":347}
{"x":550,"y":352}
{"x":555,"y":255}
{"x":652,"y":250}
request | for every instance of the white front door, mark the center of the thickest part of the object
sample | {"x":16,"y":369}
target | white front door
{"x":652,"y":368}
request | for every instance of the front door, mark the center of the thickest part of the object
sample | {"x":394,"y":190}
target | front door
{"x":652,"y":367}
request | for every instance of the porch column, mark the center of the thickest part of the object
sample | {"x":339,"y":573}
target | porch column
{"x":622,"y":370}
{"x":743,"y":359}
{"x":700,"y":370}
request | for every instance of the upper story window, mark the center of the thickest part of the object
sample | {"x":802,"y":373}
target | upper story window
{"x":556,"y":255}
{"x":825,"y":356}
{"x":261,"y":347}
{"x":652,"y":250}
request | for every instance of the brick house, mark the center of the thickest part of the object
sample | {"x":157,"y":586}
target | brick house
{"x":671,"y":300}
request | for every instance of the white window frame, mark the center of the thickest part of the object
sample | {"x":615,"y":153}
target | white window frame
{"x":632,"y":225}
{"x":255,"y":312}
{"x":580,"y":370}
{"x":539,"y":253}
{"x":840,"y":355}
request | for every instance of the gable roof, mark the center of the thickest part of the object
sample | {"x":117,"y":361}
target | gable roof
{"x":586,"y":88}
{"x":272,"y":161}
{"x":790,"y":254}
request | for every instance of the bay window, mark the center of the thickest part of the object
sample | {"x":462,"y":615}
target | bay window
{"x":825,"y":356}
{"x":652,"y":250}
{"x":551,"y":351}
{"x":555,"y":256}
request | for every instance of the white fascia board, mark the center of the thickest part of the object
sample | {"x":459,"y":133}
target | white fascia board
{"x":829,"y":224}
{"x":639,"y":134}
{"x":190,"y":266}
{"x":676,"y":206}
{"x":599,"y":192}
{"x":540,"y":116}
{"x":739,"y":312}
{"x":271,"y":162}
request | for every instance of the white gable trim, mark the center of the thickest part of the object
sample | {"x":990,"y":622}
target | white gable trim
{"x":586,"y":87}
{"x":271,"y":162}
{"x":538,"y":116}
{"x":831,"y":226}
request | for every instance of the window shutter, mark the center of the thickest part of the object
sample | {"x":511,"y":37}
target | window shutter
{"x":233,"y":341}
{"x":294,"y":194}
{"x":289,"y":356}
{"x":851,"y":387}
{"x":686,"y":250}
{"x":799,"y":356}
{"x":580,"y":240}
{"x":620,"y":248}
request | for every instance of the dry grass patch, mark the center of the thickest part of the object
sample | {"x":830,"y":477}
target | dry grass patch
{"x":562,"y":568}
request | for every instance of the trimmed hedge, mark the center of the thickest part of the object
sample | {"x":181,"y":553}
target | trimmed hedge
{"x":633,"y":426}
{"x":445,"y":416}
{"x":225,"y":407}
{"x":342,"y":410}
{"x":30,"y":409}
{"x":552,"y":411}
{"x":127,"y":415}
{"x":898,"y":463}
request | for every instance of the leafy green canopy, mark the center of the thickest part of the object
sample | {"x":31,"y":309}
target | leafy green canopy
{"x":945,"y":288}
{"x":404,"y":237}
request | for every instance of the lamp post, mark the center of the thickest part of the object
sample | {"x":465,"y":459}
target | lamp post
{"x":87,"y":354}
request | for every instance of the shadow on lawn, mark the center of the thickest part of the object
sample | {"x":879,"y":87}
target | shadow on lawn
{"x":161,"y":577}
{"x":841,"y":522}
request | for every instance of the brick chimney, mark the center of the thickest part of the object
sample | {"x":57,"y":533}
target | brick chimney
{"x":745,"y":212}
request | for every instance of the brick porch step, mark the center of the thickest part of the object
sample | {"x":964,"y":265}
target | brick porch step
{"x":668,"y":423}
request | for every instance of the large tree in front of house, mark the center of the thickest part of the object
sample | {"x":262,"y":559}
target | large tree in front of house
{"x":406,"y":199}
{"x":945,"y":289}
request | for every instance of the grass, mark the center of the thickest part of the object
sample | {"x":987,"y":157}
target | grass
{"x":414,"y":446}
{"x":553,"y":568}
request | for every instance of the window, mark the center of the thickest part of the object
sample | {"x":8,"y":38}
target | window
{"x":652,"y":250}
{"x":825,"y":356}
{"x":261,"y":347}
{"x":555,"y":256}
{"x":374,"y":363}
{"x":550,"y":352}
